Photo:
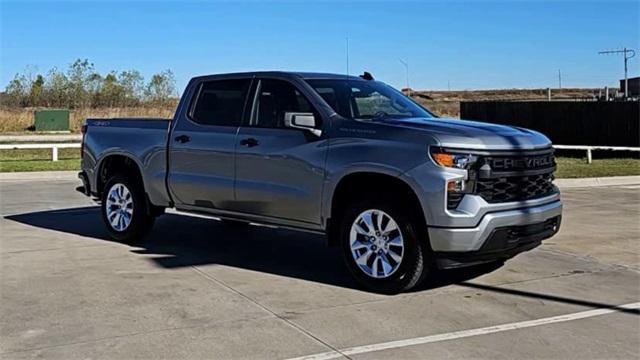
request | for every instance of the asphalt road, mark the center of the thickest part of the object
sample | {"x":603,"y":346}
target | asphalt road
{"x":195,"y":289}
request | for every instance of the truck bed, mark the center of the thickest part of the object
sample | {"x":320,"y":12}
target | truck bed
{"x":141,"y":139}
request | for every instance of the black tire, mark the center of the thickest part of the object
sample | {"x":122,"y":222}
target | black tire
{"x":142,"y":217}
{"x":415,"y":263}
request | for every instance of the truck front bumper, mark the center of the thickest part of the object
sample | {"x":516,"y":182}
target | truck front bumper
{"x":499,"y":235}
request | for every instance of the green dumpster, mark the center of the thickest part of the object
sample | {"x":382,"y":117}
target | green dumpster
{"x":51,"y":120}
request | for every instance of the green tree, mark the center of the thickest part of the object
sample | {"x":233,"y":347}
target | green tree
{"x":78,"y":75}
{"x":161,"y":88}
{"x":132,"y":86}
{"x":112,"y":93}
{"x":56,"y":89}
{"x":17,"y":91}
{"x":36,"y":91}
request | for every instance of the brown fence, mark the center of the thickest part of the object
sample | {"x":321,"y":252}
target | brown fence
{"x":565,"y":122}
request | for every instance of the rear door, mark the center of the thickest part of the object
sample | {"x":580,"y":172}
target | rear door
{"x":279,"y":170}
{"x":201,"y":155}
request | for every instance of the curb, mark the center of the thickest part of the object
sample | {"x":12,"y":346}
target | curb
{"x":39,"y":175}
{"x":561,"y":183}
{"x":40,"y":138}
{"x":598,"y":181}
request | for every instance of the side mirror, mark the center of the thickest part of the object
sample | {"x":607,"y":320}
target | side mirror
{"x":304,"y":121}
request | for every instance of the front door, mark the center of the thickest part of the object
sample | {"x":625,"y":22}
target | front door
{"x":279,"y":170}
{"x":201,"y":150}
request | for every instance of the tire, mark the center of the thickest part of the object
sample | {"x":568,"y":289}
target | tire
{"x":398,"y":268}
{"x":128,"y":196}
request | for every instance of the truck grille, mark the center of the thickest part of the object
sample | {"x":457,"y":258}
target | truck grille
{"x":504,"y":177}
{"x":515,"y":188}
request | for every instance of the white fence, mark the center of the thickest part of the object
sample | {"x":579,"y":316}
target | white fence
{"x":589,"y":149}
{"x":55,"y":146}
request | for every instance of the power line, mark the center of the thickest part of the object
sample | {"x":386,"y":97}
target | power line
{"x":625,"y":52}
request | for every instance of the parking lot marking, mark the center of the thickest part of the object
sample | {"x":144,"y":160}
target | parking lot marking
{"x":464,"y":333}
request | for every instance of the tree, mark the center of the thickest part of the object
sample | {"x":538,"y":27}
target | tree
{"x":112,"y":93}
{"x":17,"y":92}
{"x":81,"y":86}
{"x":132,"y":86}
{"x":35,"y":93}
{"x":78,"y":76}
{"x":161,"y":87}
{"x":56,"y":89}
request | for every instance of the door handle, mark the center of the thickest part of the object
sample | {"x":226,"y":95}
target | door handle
{"x":250,"y":142}
{"x":183,"y":139}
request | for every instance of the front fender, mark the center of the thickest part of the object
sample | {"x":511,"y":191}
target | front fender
{"x":333,"y":179}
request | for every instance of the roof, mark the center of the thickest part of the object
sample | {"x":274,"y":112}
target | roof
{"x":303,"y":75}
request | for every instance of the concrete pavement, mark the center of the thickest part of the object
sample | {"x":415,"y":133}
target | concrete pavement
{"x":197,"y":289}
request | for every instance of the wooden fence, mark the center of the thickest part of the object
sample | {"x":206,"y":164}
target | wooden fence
{"x":613,"y":123}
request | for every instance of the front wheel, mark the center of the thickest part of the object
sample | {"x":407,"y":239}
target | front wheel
{"x":125,"y":209}
{"x":382,"y":248}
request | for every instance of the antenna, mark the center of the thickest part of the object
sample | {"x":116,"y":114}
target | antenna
{"x":347,"y":55}
{"x":406,"y":66}
{"x":625,"y":52}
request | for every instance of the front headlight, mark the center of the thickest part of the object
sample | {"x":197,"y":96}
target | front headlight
{"x":457,"y":160}
{"x":450,"y":159}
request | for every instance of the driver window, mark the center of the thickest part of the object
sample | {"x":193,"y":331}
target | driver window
{"x":273,"y":99}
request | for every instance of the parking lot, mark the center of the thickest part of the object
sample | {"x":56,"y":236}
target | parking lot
{"x":196,"y":289}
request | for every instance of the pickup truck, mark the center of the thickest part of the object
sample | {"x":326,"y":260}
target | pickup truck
{"x":401,"y":191}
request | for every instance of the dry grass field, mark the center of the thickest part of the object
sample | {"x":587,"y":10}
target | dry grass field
{"x":447,"y":103}
{"x":443,"y":103}
{"x":21,"y":119}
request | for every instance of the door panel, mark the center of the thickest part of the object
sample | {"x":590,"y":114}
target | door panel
{"x":202,"y":170}
{"x":201,"y":156}
{"x":279,"y":170}
{"x":281,"y":176}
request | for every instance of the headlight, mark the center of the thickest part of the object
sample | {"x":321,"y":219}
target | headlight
{"x":456,"y":189}
{"x":449,"y":159}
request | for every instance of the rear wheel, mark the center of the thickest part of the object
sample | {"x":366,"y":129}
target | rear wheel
{"x":382,"y":248}
{"x":125,"y":209}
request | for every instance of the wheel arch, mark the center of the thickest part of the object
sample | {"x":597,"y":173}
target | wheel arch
{"x":117,"y":162}
{"x":357,"y":184}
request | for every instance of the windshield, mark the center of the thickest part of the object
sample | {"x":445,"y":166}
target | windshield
{"x":356,"y":99}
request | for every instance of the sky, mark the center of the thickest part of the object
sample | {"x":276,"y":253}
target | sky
{"x":455,"y":44}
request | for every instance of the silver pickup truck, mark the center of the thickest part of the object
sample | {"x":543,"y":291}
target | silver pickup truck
{"x":400,"y":190}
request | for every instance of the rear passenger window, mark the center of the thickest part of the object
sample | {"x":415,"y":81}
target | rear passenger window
{"x":220,"y":102}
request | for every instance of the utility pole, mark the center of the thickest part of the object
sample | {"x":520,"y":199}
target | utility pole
{"x":406,"y":66}
{"x":559,"y":79}
{"x":627,"y":54}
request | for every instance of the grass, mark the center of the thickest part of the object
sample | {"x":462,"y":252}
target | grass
{"x":40,"y":160}
{"x":578,"y":168}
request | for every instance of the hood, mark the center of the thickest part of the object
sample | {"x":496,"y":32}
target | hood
{"x":457,"y":133}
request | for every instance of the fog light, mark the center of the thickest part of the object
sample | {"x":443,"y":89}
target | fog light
{"x":456,"y":186}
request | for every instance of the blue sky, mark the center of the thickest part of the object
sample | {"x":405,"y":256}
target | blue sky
{"x":461,"y":44}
